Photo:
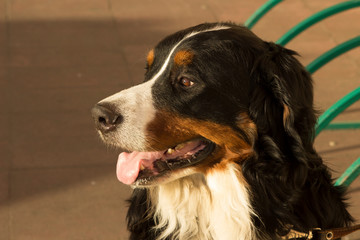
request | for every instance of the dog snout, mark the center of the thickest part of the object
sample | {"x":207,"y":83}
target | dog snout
{"x":105,"y":117}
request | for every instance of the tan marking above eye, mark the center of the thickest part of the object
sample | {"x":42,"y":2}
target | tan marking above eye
{"x":183,"y":57}
{"x":150,"y":57}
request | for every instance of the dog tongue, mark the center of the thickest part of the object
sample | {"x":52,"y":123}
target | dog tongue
{"x":128,"y":165}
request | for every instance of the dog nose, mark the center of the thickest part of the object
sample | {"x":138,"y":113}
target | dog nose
{"x":106,"y":119}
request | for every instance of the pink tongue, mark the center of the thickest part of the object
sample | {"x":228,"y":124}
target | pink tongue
{"x":128,"y":165}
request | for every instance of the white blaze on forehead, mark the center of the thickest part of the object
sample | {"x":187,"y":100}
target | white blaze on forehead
{"x":162,"y":69}
{"x":136,"y":105}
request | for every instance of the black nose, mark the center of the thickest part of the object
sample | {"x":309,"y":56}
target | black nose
{"x":105,"y":117}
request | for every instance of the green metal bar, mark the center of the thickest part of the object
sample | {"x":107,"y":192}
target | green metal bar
{"x":333,"y":53}
{"x":336,"y":109}
{"x":260,"y":12}
{"x":343,"y":125}
{"x":349,"y":175}
{"x":300,"y":27}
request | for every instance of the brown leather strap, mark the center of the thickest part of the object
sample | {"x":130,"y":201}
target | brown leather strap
{"x":318,"y":234}
{"x":335,"y":233}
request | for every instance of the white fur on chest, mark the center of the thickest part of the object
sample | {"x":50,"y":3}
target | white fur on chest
{"x":211,"y":207}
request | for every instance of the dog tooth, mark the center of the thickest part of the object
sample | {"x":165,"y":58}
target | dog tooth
{"x":180,"y":146}
{"x":142,"y":167}
{"x":170,"y":151}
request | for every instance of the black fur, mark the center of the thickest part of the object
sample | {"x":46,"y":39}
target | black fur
{"x":237,"y":72}
{"x":140,"y":224}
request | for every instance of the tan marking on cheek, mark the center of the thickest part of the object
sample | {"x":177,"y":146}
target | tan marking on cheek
{"x":174,"y":129}
{"x":219,"y":134}
{"x":183,"y":57}
{"x":170,"y":129}
{"x":150,"y":57}
{"x":166,"y":131}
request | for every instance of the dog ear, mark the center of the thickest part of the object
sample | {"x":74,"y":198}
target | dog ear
{"x":281,"y":104}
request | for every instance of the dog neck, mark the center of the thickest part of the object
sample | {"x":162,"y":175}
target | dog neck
{"x":207,"y":207}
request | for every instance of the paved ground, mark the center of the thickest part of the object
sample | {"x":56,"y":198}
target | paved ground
{"x":58,"y":58}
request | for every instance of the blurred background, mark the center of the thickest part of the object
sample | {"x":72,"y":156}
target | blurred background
{"x":59,"y":57}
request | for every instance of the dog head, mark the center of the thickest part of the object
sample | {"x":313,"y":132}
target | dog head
{"x":210,"y":93}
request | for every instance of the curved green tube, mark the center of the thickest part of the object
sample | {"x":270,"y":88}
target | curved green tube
{"x":333,"y":53}
{"x":343,"y":125}
{"x":349,"y":175}
{"x":293,"y":32}
{"x":336,"y":109}
{"x":260,"y":12}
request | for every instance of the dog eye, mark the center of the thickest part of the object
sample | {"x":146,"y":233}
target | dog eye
{"x":185,"y":82}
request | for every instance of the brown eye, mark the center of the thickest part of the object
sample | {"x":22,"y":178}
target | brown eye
{"x":186,"y":82}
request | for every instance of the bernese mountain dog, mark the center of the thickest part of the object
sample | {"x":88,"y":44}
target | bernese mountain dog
{"x":218,"y":141}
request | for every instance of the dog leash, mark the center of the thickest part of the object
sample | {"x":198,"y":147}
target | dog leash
{"x":318,"y":234}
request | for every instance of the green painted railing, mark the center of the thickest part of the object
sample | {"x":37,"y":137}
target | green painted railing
{"x":343,"y":125}
{"x":333,"y":53}
{"x":317,"y":17}
{"x":336,"y":109}
{"x":349,"y":175}
{"x":321,"y":61}
{"x":324,"y":120}
{"x":260,"y":12}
